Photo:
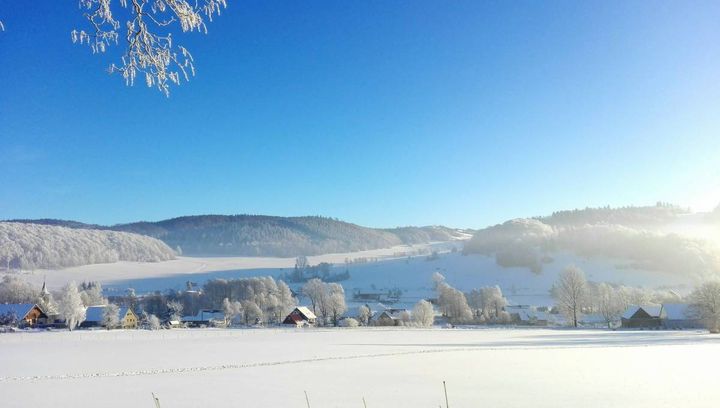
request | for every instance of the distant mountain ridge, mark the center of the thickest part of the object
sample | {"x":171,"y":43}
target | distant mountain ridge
{"x":262,"y":235}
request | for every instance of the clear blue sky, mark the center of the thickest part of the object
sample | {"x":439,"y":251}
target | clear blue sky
{"x":464,"y":113}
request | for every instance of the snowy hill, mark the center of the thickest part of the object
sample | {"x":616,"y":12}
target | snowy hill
{"x":259,"y":235}
{"x":30,"y":246}
{"x":661,"y":238}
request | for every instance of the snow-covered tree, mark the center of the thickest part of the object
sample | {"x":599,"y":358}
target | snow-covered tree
{"x":150,"y":52}
{"x":453,"y":303}
{"x":274,"y":298}
{"x":252,"y":312}
{"x":70,"y":306}
{"x":437,"y":279}
{"x":423,"y":313}
{"x":153,"y":322}
{"x":14,"y":289}
{"x":364,"y":315}
{"x":487,"y":303}
{"x":336,"y":300}
{"x":233,"y":311}
{"x":32,"y":246}
{"x":349,"y":322}
{"x":314,"y":289}
{"x":175,"y":310}
{"x":706,"y":303}
{"x":92,"y":294}
{"x":285,"y":298}
{"x":111,"y":316}
{"x":570,"y":293}
{"x":609,"y":303}
{"x":327,"y":299}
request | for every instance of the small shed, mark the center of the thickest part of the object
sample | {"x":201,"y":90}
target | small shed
{"x":301,"y":316}
{"x":648,"y":317}
{"x":24,"y":314}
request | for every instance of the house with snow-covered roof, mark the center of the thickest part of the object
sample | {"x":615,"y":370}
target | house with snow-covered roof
{"x":22,"y":314}
{"x":680,"y":316}
{"x":527,"y":315}
{"x":392,"y":317}
{"x":205,"y":317}
{"x":667,"y":316}
{"x":301,"y":316}
{"x":127,"y":319}
{"x":642,"y":317}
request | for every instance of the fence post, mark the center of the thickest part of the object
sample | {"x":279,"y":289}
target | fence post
{"x":446,"y":398}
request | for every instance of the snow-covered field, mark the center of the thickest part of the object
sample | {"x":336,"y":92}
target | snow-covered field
{"x":388,"y":367}
{"x":413,"y":276}
{"x":185,"y":267}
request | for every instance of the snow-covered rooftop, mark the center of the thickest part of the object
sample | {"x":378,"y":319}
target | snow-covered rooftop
{"x":19,"y":309}
{"x":306,"y":312}
{"x":677,"y":311}
{"x":653,"y":311}
{"x":94,"y":313}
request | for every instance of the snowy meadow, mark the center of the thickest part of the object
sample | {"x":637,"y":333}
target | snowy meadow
{"x":389,"y":367}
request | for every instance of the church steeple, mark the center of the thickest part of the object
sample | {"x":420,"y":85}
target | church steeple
{"x":44,"y":292}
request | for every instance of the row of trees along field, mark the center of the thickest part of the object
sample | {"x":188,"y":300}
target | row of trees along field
{"x":574,"y":297}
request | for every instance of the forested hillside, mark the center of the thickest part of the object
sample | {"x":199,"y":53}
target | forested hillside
{"x":258,"y":235}
{"x":30,"y":246}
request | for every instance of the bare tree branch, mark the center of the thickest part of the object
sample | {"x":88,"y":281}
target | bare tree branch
{"x":150,"y":53}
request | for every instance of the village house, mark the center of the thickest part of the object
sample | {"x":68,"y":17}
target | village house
{"x":127,"y":319}
{"x":23,"y":314}
{"x":301,"y":316}
{"x":642,"y":317}
{"x":679,"y":316}
{"x":527,"y":315}
{"x":392,"y":317}
{"x":667,"y":316}
{"x":205,"y":317}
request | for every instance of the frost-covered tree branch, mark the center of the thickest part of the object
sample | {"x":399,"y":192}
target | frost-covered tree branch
{"x":151,"y":52}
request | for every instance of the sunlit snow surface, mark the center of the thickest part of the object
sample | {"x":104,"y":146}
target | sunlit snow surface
{"x":388,"y":367}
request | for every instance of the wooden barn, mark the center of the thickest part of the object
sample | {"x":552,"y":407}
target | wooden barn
{"x":25,"y":314}
{"x":301,"y":316}
{"x":638,"y":317}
